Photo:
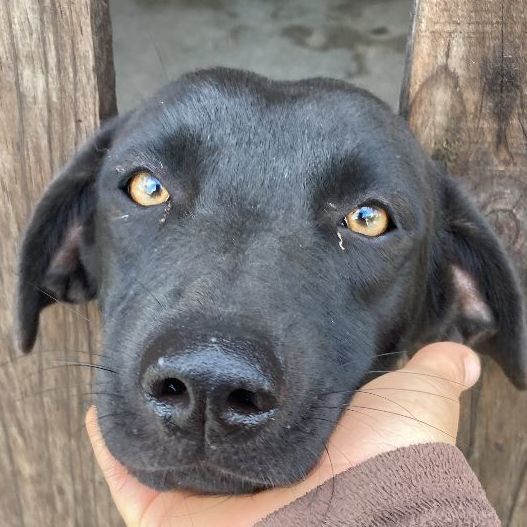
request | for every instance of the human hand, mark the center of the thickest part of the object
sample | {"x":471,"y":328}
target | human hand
{"x":417,"y":404}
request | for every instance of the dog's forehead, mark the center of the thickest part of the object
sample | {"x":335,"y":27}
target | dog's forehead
{"x":230,"y":107}
{"x":243,"y":125}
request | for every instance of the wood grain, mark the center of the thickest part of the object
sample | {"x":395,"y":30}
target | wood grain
{"x":56,"y":83}
{"x":465,"y":96}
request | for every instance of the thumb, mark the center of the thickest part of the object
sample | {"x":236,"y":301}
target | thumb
{"x":416,"y":404}
{"x":455,"y":366}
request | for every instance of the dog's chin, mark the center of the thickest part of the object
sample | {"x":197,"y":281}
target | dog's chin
{"x":241,"y":469}
{"x":203,"y":479}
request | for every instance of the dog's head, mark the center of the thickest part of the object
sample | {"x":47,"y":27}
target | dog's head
{"x":256,"y":247}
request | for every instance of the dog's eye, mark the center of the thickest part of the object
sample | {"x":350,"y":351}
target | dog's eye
{"x":147,"y":190}
{"x":369,"y":220}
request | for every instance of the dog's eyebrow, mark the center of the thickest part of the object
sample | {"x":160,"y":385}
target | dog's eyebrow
{"x":336,"y":175}
{"x":351,"y":180}
{"x":158,"y":149}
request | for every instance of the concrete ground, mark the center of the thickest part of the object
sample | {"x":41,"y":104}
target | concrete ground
{"x":362,"y":41}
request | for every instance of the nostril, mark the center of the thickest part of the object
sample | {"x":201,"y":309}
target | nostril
{"x":173,"y":388}
{"x":242,"y":402}
{"x":170,"y":391}
{"x":245,"y":402}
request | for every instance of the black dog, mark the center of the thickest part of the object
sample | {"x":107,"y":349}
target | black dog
{"x":255,"y":248}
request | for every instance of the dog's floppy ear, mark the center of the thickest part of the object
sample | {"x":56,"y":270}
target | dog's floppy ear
{"x":56,"y":255}
{"x":479,"y":297}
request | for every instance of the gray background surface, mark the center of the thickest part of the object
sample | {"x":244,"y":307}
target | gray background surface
{"x":362,"y":41}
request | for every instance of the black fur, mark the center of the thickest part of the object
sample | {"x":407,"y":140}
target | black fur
{"x":261,"y":174}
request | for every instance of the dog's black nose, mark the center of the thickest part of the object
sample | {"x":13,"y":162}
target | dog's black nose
{"x":219,"y":385}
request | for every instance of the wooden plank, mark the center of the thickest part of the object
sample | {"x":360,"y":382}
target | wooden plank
{"x":56,"y":81}
{"x":465,"y":96}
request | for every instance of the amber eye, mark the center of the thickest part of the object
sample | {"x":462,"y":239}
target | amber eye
{"x":369,"y":220}
{"x":147,"y":190}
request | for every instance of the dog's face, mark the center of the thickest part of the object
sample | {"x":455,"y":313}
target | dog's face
{"x":257,"y":248}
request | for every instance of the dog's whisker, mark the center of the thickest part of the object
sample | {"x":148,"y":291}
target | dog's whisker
{"x":188,"y":514}
{"x":24,"y":357}
{"x":369,"y":425}
{"x":420,"y":421}
{"x":86,"y":365}
{"x":404,"y":352}
{"x":66,"y":306}
{"x":326,"y":514}
{"x":150,"y":293}
{"x":62,"y":391}
{"x":405,"y":372}
{"x":292,"y":445}
{"x":334,"y":425}
{"x":66,"y":364}
{"x":382,"y":410}
{"x":372,"y":393}
{"x":97,"y":418}
{"x":333,"y":480}
{"x":415,"y":391}
{"x":367,"y":392}
{"x":391,"y":389}
{"x":204,"y":509}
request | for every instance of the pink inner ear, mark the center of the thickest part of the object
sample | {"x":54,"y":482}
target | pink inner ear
{"x":471,"y":303}
{"x":67,"y":256}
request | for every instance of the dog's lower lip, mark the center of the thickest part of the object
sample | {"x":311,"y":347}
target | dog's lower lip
{"x":231,"y":474}
{"x":202,"y":466}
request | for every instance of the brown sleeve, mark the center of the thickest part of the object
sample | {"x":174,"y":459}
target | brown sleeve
{"x":429,"y":485}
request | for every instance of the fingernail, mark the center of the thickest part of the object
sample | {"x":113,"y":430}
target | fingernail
{"x":472,"y":369}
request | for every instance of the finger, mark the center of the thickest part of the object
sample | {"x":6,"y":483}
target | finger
{"x":131,"y":497}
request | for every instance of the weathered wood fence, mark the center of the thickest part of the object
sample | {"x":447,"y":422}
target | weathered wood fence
{"x":56,"y":84}
{"x":465,"y":96}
